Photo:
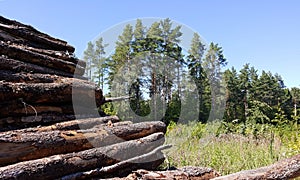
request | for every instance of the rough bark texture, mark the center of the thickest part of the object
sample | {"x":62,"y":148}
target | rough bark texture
{"x":149,"y":160}
{"x":186,"y":173}
{"x":50,"y":92}
{"x":21,"y":33}
{"x":25,"y":77}
{"x":26,"y":144}
{"x":285,"y":169}
{"x":17,"y":52}
{"x":19,"y":66}
{"x":43,"y":90}
{"x":60,"y":165}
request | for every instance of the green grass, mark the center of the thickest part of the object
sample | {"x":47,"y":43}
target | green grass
{"x":205,"y":145}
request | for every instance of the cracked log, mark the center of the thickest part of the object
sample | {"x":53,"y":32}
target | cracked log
{"x":17,"y":52}
{"x":21,"y":145}
{"x":285,"y":169}
{"x":61,"y":165}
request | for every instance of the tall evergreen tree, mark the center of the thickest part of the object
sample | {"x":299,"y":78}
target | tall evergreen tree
{"x":213,"y":63}
{"x":89,"y":56}
{"x":99,"y":64}
{"x":197,"y":73}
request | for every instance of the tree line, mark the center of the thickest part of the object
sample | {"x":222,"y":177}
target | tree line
{"x":166,"y":82}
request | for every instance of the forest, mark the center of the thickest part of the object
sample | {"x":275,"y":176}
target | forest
{"x":234,"y":119}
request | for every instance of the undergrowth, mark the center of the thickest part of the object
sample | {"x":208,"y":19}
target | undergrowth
{"x":229,"y":148}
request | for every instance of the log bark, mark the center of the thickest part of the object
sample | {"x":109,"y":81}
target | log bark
{"x":21,"y":145}
{"x":285,"y":169}
{"x":12,"y":123}
{"x":60,"y":92}
{"x":17,"y":52}
{"x":149,"y":161}
{"x":60,"y":165}
{"x":20,"y":109}
{"x":20,"y":66}
{"x":78,"y":124}
{"x":21,"y":77}
{"x":57,"y":54}
{"x":34,"y":37}
{"x":83,"y":122}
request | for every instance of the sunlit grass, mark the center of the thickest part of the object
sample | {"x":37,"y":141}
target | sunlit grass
{"x":197,"y":144}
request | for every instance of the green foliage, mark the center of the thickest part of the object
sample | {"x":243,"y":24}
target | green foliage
{"x":195,"y":144}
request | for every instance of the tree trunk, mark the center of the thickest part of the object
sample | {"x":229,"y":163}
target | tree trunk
{"x":285,"y":169}
{"x":185,"y":173}
{"x":79,"y":124}
{"x":51,"y":92}
{"x":148,"y":161}
{"x":20,"y":66}
{"x":60,"y":165}
{"x":32,"y":37}
{"x":47,"y":118}
{"x":10,"y":123}
{"x":21,"y":145}
{"x":17,"y":52}
{"x":57,"y":54}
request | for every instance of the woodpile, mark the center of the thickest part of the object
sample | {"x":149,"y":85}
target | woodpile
{"x":43,"y":135}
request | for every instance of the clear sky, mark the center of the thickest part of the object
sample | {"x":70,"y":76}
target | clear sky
{"x":264,"y":33}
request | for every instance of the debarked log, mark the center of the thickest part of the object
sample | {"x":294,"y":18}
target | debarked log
{"x":63,"y":91}
{"x":20,"y":66}
{"x":284,"y":169}
{"x":60,"y":165}
{"x":21,"y":145}
{"x":35,"y":37}
{"x":17,"y":52}
{"x":149,"y":161}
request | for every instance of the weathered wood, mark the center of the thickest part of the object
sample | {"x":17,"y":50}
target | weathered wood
{"x":60,"y":165}
{"x":20,"y":77}
{"x":57,"y":54}
{"x":20,"y":66}
{"x":186,"y":173}
{"x":21,"y":145}
{"x":35,"y":37}
{"x":17,"y":52}
{"x":79,"y":124}
{"x":58,"y":92}
{"x":18,"y":108}
{"x":11,"y":123}
{"x":66,"y":122}
{"x":149,"y":161}
{"x":284,"y":169}
{"x":114,"y":99}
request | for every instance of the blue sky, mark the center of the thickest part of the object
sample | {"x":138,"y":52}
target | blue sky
{"x":264,"y":33}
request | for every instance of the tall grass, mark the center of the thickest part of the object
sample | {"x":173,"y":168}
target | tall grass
{"x":228,"y":152}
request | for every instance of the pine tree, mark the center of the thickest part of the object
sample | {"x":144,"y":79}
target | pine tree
{"x":98,"y":63}
{"x":197,"y":73}
{"x":89,"y":57}
{"x":212,"y":63}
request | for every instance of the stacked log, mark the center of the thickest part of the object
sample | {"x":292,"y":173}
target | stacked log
{"x":39,"y":75}
{"x":41,"y":135}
